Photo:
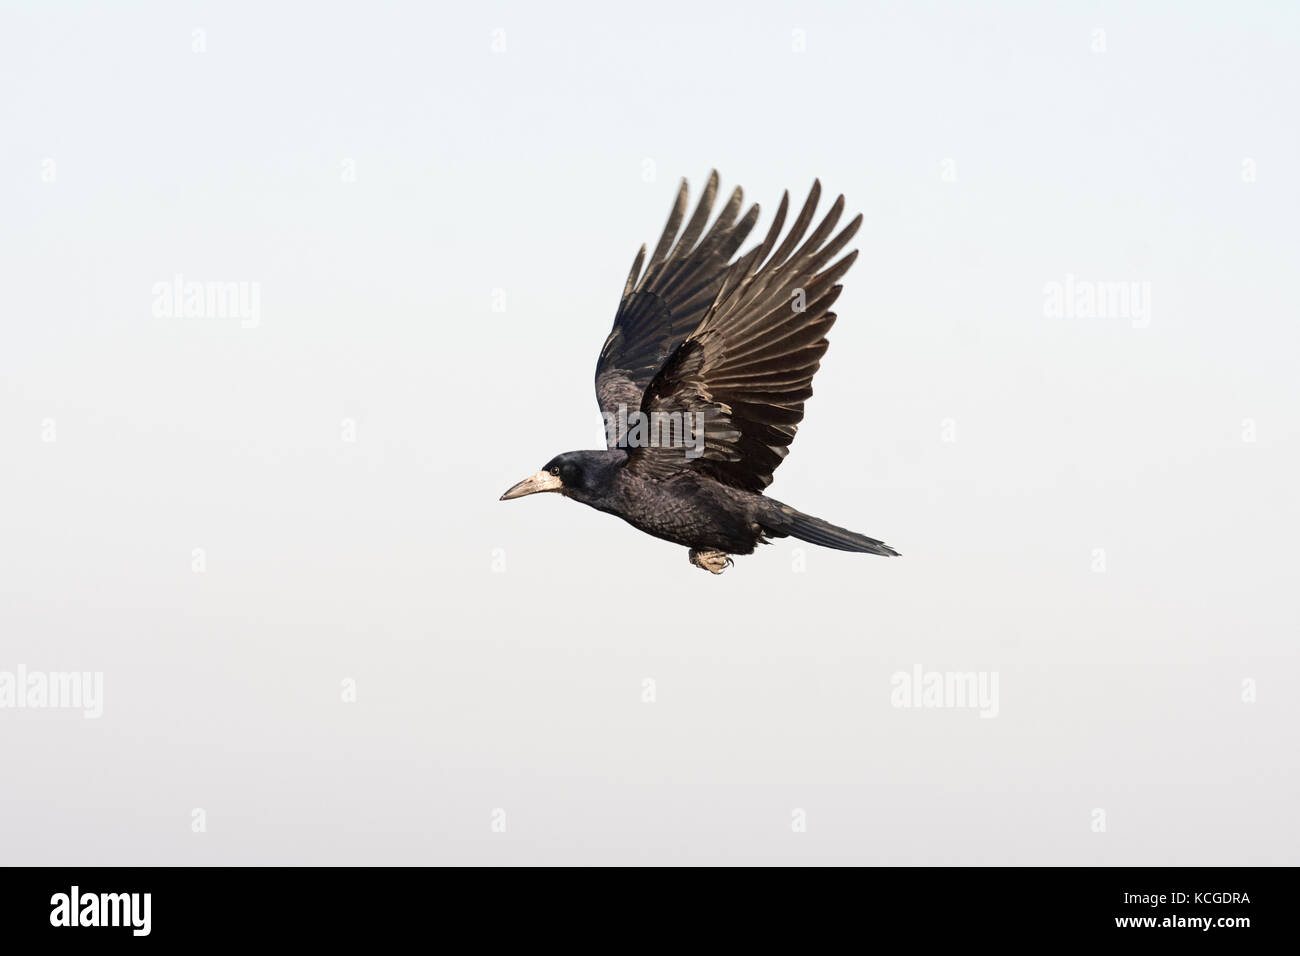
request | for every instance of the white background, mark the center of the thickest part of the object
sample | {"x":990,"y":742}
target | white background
{"x":993,"y":150}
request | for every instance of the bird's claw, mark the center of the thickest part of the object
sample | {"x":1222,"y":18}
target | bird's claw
{"x":715,"y":562}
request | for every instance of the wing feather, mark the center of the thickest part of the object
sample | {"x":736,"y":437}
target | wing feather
{"x":746,"y":370}
{"x":665,"y":298}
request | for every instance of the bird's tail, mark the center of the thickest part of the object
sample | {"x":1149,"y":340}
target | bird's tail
{"x":816,"y":531}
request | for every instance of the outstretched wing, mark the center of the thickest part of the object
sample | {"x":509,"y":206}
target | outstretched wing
{"x":661,"y":305}
{"x":748,"y":368}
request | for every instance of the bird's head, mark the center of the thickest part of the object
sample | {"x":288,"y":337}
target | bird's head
{"x":575,"y":474}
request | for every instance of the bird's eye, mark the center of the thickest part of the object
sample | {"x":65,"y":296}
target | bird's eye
{"x":556,"y":471}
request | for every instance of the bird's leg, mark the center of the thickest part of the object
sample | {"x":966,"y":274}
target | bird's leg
{"x":715,"y":562}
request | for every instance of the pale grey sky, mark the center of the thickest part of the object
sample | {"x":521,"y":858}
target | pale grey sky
{"x":436,"y":219}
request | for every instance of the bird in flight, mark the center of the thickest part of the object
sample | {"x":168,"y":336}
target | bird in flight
{"x":703,"y":379}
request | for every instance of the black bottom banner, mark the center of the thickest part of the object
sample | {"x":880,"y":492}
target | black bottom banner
{"x":979,"y":906}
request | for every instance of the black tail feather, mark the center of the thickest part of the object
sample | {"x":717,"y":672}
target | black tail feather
{"x":816,"y":531}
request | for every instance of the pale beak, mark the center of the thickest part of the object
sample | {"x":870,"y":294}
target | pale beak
{"x":542,"y":481}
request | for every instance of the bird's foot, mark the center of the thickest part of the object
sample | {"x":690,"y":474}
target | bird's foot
{"x":715,"y":562}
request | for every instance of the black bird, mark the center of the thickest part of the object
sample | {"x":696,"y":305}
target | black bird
{"x":703,"y":379}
